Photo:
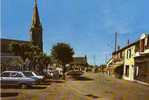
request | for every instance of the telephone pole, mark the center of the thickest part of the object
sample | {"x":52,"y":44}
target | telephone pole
{"x":116,"y":34}
{"x":94,"y":59}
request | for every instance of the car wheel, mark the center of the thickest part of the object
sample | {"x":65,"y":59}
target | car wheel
{"x":23,"y":86}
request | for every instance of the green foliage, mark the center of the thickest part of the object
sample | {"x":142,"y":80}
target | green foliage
{"x":45,"y":59}
{"x":14,"y":47}
{"x":25,"y":50}
{"x":31,"y":52}
{"x":63,"y":53}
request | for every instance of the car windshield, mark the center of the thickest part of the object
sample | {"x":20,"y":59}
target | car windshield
{"x":28,"y":74}
{"x":36,"y":73}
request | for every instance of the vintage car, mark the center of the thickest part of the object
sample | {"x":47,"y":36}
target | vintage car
{"x":17,"y":78}
{"x":33,"y":75}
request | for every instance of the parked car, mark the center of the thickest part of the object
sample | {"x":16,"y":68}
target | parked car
{"x":17,"y":78}
{"x":33,"y":75}
{"x":75,"y":73}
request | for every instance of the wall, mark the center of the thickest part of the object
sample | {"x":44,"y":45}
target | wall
{"x":142,"y":64}
{"x":129,"y":61}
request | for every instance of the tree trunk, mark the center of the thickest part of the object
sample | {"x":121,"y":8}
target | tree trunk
{"x":64,"y":69}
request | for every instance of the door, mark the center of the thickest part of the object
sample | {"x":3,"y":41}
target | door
{"x":5,"y":78}
{"x":15,"y":78}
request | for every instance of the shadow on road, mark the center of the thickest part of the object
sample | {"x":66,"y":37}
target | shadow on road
{"x":15,"y":87}
{"x":9,"y":94}
{"x":81,"y":78}
{"x":37,"y":87}
{"x":45,"y":83}
{"x":9,"y":87}
{"x":92,"y":96}
{"x":57,"y":81}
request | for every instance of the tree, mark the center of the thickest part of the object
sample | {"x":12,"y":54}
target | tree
{"x":26,"y":51}
{"x":63,"y":53}
{"x":33,"y":57}
{"x":44,"y":61}
{"x":14,"y":47}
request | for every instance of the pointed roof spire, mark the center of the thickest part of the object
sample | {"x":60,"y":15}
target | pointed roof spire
{"x":35,"y":17}
{"x":35,"y":2}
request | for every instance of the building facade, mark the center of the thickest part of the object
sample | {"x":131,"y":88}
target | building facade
{"x":129,"y":62}
{"x":134,"y":60}
{"x":142,"y":60}
{"x":79,"y":63}
{"x":142,"y":68}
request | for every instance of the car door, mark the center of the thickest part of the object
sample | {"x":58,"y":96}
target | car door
{"x":16,"y":78}
{"x":19,"y":78}
{"x":5,"y":78}
{"x":13,"y":78}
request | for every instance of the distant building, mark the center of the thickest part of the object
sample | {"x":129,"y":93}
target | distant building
{"x":35,"y":34}
{"x":5,"y":44}
{"x":79,"y":63}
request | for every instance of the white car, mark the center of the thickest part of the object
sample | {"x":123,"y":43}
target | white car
{"x":33,"y":75}
{"x":17,"y":78}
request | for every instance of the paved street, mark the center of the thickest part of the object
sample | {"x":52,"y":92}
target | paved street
{"x":90,"y":87}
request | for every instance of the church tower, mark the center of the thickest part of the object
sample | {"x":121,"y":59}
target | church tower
{"x":36,"y":28}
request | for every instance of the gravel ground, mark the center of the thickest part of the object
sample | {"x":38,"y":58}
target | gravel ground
{"x":89,"y":87}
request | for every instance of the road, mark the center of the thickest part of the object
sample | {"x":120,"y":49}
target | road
{"x":93,"y":86}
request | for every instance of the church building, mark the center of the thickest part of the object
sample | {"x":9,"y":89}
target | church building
{"x":35,"y":37}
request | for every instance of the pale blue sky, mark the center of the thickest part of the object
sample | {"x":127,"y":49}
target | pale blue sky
{"x":87,"y":25}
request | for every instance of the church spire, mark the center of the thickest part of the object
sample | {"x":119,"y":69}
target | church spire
{"x":35,"y":18}
{"x":36,"y":28}
{"x":35,"y":2}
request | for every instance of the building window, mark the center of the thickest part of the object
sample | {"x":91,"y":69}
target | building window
{"x":128,"y":53}
{"x":142,"y":45}
{"x":127,"y":70}
{"x":137,"y":70}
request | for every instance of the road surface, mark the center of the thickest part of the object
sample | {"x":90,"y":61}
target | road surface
{"x":92,"y":86}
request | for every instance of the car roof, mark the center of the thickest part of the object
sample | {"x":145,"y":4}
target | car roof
{"x":12,"y":72}
{"x":26,"y":71}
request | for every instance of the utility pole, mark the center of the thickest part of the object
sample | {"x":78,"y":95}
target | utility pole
{"x":94,"y":59}
{"x":116,"y":41}
{"x":106,"y":58}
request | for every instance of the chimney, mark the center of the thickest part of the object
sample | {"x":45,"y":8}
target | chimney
{"x":128,"y":42}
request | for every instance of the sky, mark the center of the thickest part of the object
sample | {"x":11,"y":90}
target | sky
{"x":87,"y":25}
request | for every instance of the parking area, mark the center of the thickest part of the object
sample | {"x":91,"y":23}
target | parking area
{"x":57,"y":90}
{"x":91,"y":86}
